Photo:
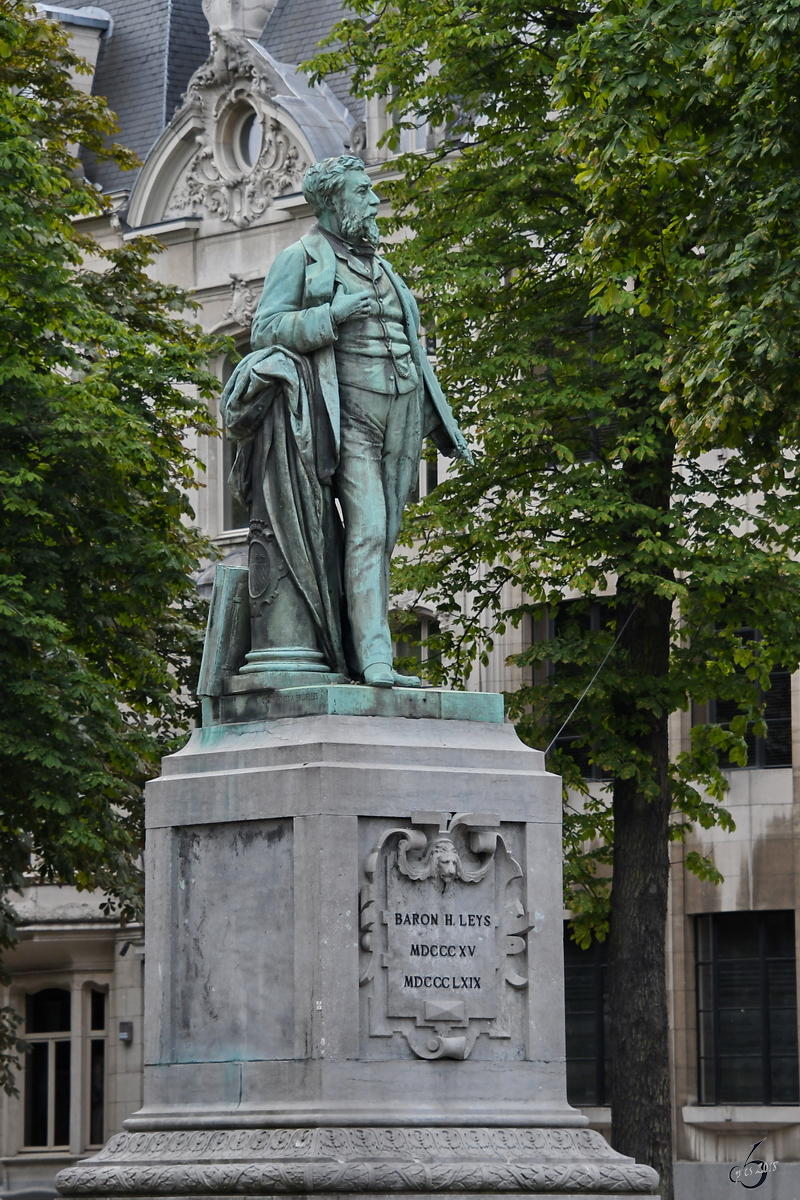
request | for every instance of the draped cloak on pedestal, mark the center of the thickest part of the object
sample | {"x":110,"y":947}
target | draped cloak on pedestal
{"x":269,"y":407}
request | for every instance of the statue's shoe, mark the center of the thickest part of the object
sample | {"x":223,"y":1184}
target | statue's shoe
{"x":379,"y":675}
{"x":406,"y":680}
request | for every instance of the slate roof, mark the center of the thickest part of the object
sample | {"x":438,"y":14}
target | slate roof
{"x":292,"y":33}
{"x":156,"y":45}
{"x":188,"y":49}
{"x":143,"y":71}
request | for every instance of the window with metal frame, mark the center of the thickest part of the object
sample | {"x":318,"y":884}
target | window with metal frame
{"x":586,"y":1013}
{"x":746,"y":1008}
{"x":48,"y":1067}
{"x":98,"y":1008}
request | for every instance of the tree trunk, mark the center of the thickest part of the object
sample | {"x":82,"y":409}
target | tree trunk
{"x":637,"y":989}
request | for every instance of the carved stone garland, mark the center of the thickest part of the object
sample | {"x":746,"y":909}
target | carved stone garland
{"x":213,"y":183}
{"x":263,"y":1161}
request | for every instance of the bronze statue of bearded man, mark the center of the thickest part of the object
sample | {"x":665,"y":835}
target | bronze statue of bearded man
{"x":329,"y":412}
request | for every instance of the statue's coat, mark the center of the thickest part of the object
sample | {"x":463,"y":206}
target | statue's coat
{"x":281,"y":405}
{"x":294,"y":313}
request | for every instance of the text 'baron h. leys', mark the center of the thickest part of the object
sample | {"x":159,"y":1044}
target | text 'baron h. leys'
{"x":463,"y":921}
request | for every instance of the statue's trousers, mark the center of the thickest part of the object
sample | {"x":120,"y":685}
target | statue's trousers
{"x":381,"y":445}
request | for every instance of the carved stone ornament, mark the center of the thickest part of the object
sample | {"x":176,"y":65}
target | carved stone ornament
{"x":358,"y":140}
{"x":242,"y":306}
{"x":443,"y":926}
{"x":375,"y":1160}
{"x":241,"y":16}
{"x":245,"y":156}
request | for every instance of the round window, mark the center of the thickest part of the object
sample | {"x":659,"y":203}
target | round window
{"x":248,"y":140}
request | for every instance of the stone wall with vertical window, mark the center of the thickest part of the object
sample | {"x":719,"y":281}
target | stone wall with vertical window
{"x":77,"y":984}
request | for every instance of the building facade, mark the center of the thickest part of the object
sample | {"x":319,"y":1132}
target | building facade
{"x":210,"y":97}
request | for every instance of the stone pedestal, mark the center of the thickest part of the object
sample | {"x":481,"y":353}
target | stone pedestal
{"x":354,"y":973}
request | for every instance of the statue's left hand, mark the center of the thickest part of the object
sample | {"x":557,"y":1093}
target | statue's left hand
{"x":358,"y":304}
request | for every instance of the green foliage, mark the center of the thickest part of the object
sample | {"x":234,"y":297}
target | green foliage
{"x":101,"y":381}
{"x":690,"y":161}
{"x":552,"y":234}
{"x":682,"y":120}
{"x":11,"y":1045}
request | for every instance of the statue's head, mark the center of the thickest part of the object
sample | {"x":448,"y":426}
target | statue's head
{"x":340,"y":193}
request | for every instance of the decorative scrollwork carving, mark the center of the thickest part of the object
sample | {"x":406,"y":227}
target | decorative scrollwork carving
{"x":243,"y":303}
{"x":358,"y":140}
{"x":231,"y":61}
{"x":230,"y":87}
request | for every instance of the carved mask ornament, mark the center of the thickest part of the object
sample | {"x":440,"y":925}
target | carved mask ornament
{"x":440,"y":860}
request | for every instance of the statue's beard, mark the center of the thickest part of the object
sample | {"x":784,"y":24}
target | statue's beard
{"x":355,"y":227}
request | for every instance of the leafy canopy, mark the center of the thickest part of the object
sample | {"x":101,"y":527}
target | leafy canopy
{"x":684,"y":116}
{"x":101,"y":383}
{"x":559,"y":228}
{"x":603,"y":231}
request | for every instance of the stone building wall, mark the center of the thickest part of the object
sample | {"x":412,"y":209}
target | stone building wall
{"x":69,"y":951}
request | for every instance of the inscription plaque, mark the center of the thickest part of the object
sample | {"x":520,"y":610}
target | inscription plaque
{"x":442,"y":957}
{"x":440,"y":919}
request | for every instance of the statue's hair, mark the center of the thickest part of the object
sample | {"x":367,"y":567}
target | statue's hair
{"x":325,"y":177}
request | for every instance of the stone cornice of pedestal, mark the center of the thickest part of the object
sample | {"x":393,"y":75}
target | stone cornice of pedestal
{"x":338,"y":755}
{"x":421,"y":1161}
